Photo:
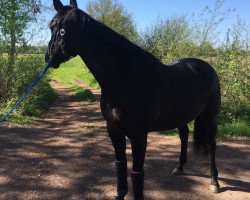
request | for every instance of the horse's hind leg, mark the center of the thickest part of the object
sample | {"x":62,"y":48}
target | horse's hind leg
{"x":119,"y":143}
{"x":211,"y":124}
{"x":183,"y":133}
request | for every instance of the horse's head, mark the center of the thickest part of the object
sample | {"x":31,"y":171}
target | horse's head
{"x":66,"y":28}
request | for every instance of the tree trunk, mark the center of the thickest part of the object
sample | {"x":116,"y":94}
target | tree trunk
{"x":11,"y":48}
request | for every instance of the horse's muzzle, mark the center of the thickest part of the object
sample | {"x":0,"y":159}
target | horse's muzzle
{"x":54,"y":64}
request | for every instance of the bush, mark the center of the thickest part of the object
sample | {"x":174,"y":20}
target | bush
{"x":170,"y":39}
{"x":4,"y":86}
{"x":176,"y":37}
{"x":114,"y":15}
{"x":26,"y":68}
{"x":233,"y":66}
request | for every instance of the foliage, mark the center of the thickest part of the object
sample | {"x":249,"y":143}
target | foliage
{"x":236,"y":129}
{"x":17,"y":70}
{"x":207,"y":27}
{"x":225,"y":130}
{"x":29,"y":49}
{"x":14,"y":19}
{"x":26,"y":68}
{"x":179,"y":36}
{"x":170,"y":39}
{"x":74,"y":69}
{"x":233,"y":66}
{"x":4,"y":88}
{"x":115,"y":16}
{"x":15,"y":16}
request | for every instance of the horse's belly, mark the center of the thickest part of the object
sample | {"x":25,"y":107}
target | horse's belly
{"x":176,"y":116}
{"x":170,"y":123}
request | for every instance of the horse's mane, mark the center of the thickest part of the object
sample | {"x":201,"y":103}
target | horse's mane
{"x":109,"y":36}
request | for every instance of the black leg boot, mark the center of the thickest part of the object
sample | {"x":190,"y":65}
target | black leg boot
{"x":122,"y":182}
{"x":138,"y":184}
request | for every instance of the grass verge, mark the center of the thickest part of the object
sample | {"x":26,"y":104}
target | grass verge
{"x":75,"y":69}
{"x":25,"y":70}
{"x":227,"y":130}
{"x":237,"y":129}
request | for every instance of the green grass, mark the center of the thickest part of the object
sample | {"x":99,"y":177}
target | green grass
{"x":234,"y":121}
{"x":237,"y":129}
{"x":34,"y":105}
{"x":74,"y":69}
{"x":17,"y":118}
{"x":84,"y":95}
{"x":26,"y":68}
{"x":80,"y":93}
{"x":227,"y":130}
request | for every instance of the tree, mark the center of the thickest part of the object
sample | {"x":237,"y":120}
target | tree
{"x":207,"y":28}
{"x":14,"y":18}
{"x":114,"y":15}
{"x":15,"y":15}
{"x":169,"y":39}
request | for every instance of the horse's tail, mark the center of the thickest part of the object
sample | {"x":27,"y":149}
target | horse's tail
{"x":205,"y":125}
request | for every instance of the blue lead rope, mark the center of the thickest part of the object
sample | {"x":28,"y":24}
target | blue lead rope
{"x":38,"y":78}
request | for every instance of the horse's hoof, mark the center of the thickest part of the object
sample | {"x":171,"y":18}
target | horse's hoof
{"x":177,"y":172}
{"x":215,"y":188}
{"x":121,"y":195}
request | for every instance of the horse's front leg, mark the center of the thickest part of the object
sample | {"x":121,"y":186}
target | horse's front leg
{"x":139,"y":144}
{"x":183,"y":133}
{"x":119,"y":143}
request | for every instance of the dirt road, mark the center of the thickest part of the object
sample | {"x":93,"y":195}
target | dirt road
{"x":67,"y":155}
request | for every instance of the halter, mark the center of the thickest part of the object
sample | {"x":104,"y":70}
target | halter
{"x":59,"y":33}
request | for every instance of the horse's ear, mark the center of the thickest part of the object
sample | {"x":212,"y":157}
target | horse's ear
{"x":73,"y":3}
{"x":57,"y":5}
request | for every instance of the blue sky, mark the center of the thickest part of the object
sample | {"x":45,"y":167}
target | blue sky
{"x":146,"y":12}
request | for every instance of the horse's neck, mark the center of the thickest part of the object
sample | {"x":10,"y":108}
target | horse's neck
{"x":104,"y":62}
{"x":111,"y":58}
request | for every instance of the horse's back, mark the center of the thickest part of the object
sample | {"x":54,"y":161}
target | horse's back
{"x":196,"y":68}
{"x":185,"y":89}
{"x":191,"y":75}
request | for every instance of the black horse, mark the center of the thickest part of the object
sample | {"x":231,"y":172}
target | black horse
{"x":139,"y":93}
